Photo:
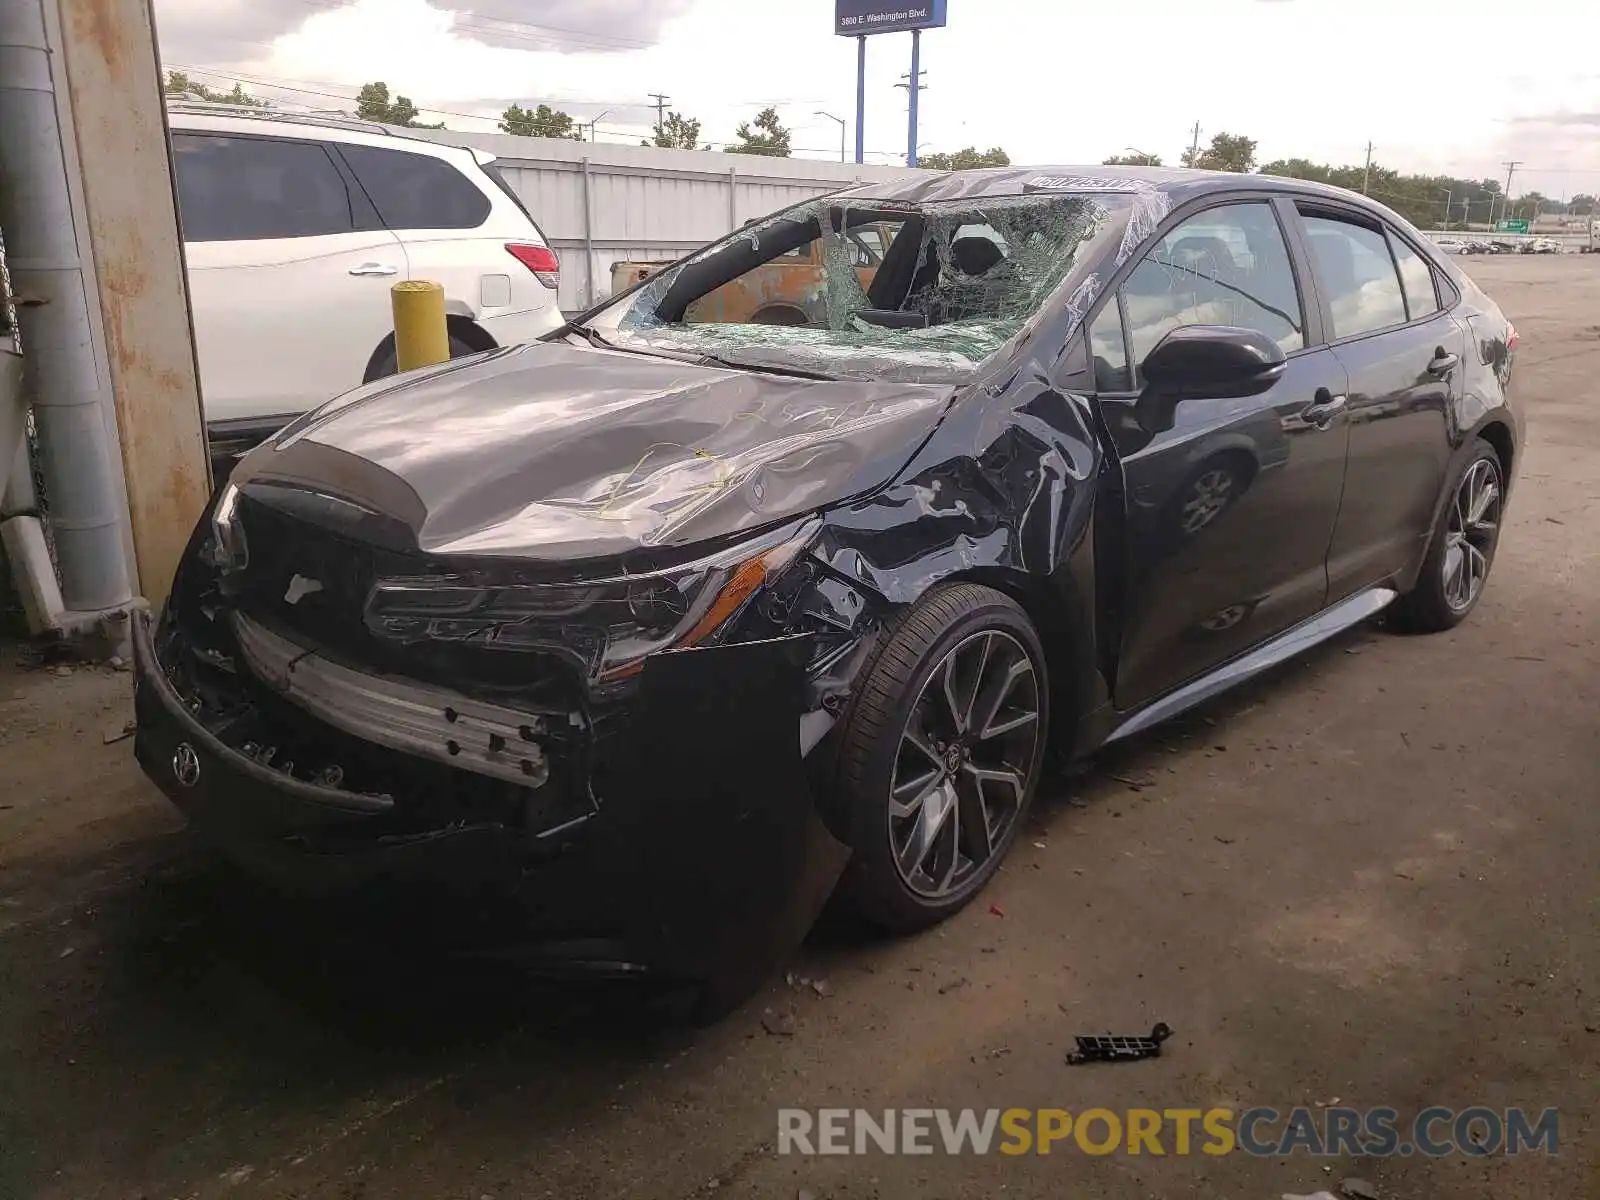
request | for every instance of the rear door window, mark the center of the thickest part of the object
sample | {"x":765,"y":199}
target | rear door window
{"x":234,"y":189}
{"x":1416,"y":276}
{"x":416,"y":191}
{"x":1358,"y":276}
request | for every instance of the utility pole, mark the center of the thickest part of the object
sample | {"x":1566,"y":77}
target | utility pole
{"x":1366,"y":176}
{"x":1505,"y":207}
{"x":1194,"y":146}
{"x":661,"y":111}
{"x":913,"y":85}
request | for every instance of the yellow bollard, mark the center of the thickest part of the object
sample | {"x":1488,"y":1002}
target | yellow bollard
{"x":421,"y":337}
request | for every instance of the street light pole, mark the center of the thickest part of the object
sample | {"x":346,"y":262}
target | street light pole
{"x":596,"y":121}
{"x":843,"y":128}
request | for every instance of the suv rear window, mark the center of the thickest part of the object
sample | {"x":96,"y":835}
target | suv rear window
{"x":414,"y":191}
{"x":233,"y":189}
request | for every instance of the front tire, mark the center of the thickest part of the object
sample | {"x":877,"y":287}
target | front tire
{"x":940,"y":755}
{"x":1462,"y":549}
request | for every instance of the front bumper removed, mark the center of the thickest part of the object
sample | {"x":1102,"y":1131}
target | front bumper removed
{"x":706,"y":858}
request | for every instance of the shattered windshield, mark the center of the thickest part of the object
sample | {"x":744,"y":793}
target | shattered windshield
{"x":868,"y":288}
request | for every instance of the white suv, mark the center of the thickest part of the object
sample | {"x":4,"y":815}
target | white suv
{"x":295,"y":227}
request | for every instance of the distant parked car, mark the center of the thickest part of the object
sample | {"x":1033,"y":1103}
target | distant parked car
{"x":295,"y":226}
{"x":1543,"y":245}
{"x":1452,"y":245}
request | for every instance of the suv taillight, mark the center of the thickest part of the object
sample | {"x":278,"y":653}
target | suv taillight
{"x":541,"y":260}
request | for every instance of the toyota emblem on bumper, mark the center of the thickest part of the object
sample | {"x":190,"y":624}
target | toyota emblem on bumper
{"x":186,"y":765}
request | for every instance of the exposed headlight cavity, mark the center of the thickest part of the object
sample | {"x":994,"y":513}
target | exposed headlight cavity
{"x":228,"y":550}
{"x":611,"y":625}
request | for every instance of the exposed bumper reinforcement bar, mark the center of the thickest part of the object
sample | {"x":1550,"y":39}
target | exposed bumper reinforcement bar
{"x":400,"y":714}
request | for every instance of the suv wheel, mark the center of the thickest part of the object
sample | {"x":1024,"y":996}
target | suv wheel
{"x":385,"y":362}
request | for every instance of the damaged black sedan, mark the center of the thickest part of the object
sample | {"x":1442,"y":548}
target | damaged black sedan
{"x":660,"y":628}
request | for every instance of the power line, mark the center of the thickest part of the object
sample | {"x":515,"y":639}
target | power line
{"x":311,"y":87}
{"x":284,"y":86}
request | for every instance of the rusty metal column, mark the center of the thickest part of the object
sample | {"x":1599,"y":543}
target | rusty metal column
{"x":136,"y":258}
{"x":86,"y":507}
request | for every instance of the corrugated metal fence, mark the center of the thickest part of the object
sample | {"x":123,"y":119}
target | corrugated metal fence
{"x":601,"y":204}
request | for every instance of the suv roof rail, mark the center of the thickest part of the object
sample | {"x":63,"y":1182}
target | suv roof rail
{"x":327,"y":119}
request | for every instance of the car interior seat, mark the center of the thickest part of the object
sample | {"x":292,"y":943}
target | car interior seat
{"x":975,"y":256}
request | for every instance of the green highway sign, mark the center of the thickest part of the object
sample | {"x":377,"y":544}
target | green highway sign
{"x":1511,"y":227}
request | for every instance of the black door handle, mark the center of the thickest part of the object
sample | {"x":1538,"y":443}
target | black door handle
{"x":1443,"y":362}
{"x":1324,"y":407}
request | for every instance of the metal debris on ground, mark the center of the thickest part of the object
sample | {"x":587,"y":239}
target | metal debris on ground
{"x":779,"y":1024}
{"x":1358,"y":1189}
{"x":117,"y":733}
{"x":820,"y":986}
{"x":1310,"y":1196}
{"x":1137,"y":785}
{"x":1110,"y":1048}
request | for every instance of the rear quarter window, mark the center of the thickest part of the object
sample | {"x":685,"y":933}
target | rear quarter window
{"x":415,"y":191}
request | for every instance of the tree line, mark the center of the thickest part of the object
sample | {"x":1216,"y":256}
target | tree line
{"x":1427,"y":201}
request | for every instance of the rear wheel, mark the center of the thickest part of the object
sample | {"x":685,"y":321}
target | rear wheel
{"x":384,"y":363}
{"x":1462,"y":550}
{"x":940,"y":754}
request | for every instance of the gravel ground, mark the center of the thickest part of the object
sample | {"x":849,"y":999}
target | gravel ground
{"x":1370,"y":878}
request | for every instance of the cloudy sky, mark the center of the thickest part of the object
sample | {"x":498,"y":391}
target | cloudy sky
{"x":1446,"y":85}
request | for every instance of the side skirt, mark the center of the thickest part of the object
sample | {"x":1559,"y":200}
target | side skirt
{"x":1280,"y":649}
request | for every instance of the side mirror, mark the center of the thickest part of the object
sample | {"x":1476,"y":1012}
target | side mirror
{"x":1205,"y":361}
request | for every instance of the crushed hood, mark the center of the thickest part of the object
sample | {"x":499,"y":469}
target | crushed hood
{"x":550,"y":451}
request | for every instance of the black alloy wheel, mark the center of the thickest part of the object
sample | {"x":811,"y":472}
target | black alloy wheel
{"x":1462,"y":550}
{"x":940,"y":754}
